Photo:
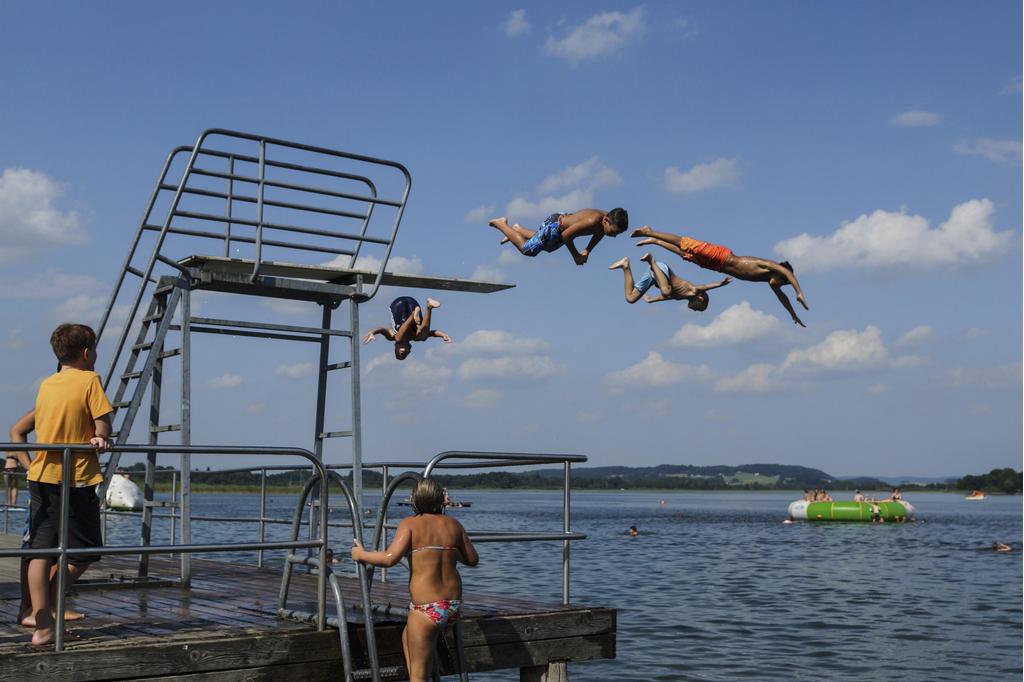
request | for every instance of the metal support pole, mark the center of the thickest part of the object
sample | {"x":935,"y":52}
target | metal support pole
{"x":174,"y":497}
{"x":263,"y":513}
{"x":153,"y":438}
{"x":384,"y":513}
{"x":62,"y":561}
{"x":186,"y":432}
{"x":230,"y":206}
{"x":565,"y":529}
{"x":357,"y":429}
{"x":259,"y":210}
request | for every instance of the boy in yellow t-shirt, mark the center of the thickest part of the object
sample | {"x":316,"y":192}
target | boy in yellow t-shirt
{"x":70,"y":408}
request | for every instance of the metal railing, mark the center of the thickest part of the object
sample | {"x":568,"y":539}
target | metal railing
{"x":63,"y":552}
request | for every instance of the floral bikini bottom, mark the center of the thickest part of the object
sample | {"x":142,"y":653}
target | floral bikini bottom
{"x":442,"y":611}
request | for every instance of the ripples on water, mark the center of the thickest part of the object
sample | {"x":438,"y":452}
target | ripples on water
{"x":717,"y":588}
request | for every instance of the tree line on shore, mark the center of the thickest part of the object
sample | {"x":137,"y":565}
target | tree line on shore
{"x":666,"y":477}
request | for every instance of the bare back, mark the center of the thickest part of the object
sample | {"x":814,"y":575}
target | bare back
{"x":437,"y":544}
{"x":586,"y":220}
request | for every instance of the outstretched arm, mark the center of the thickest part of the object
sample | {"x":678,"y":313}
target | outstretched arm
{"x":709,"y":287}
{"x":398,"y":548}
{"x":371,"y":335}
{"x":19,"y":434}
{"x":655,"y":299}
{"x":784,"y":300}
{"x":441,"y":335}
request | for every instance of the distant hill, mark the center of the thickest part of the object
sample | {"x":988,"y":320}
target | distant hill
{"x":685,"y":476}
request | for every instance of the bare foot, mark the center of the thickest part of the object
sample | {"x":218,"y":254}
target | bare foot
{"x":647,"y":257}
{"x":640,"y":232}
{"x":499,"y":222}
{"x":504,"y":240}
{"x":433,"y":303}
{"x":621,"y":263}
{"x":643,"y":242}
{"x":802,"y":302}
{"x":43,"y":637}
{"x":28,"y":620}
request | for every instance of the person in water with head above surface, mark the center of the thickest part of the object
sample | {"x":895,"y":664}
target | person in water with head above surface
{"x":434,"y":543}
{"x":671,"y":286}
{"x":633,"y":532}
{"x":562,"y":228}
{"x":721,"y":259}
{"x":1001,"y":547}
{"x":408,"y":324}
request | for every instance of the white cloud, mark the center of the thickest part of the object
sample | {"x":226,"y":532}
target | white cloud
{"x":497,"y":342}
{"x":482,"y":399}
{"x":49,"y":284}
{"x":255,"y":408}
{"x":759,"y":378}
{"x":480,"y":214}
{"x":655,"y":371}
{"x":81,"y":309}
{"x":296,"y":371}
{"x":915,"y":119}
{"x":977,"y":333}
{"x":717,"y":173}
{"x":576,"y":184}
{"x":1013,"y":87}
{"x":225,"y":381}
{"x":898,"y":240}
{"x":842,"y":350}
{"x":999,"y":151}
{"x":524,"y":210}
{"x":877,"y":389}
{"x":737,"y":324}
{"x":515,"y":24}
{"x":509,"y":257}
{"x":29,"y":218}
{"x":514,"y":367}
{"x":918,"y":334}
{"x":599,"y":35}
{"x":487,"y":273}
{"x":371,"y":263}
{"x":991,"y":378}
{"x":285,"y":306}
{"x":592,"y":174}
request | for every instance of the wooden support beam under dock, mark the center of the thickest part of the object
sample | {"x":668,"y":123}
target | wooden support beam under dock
{"x":225,"y":627}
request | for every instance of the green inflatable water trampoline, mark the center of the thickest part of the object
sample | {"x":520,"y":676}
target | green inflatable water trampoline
{"x":847,"y":510}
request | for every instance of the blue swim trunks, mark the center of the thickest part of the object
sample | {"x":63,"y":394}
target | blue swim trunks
{"x":401,"y":308}
{"x":647,"y":281}
{"x":546,"y":238}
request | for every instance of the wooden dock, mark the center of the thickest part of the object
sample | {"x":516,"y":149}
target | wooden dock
{"x":226,"y":628}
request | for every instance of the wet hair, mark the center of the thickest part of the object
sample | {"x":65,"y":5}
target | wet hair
{"x":619,"y":218}
{"x":427,"y":497}
{"x":399,"y":346}
{"x":787,"y":265}
{"x":698,"y":301}
{"x":69,"y":340}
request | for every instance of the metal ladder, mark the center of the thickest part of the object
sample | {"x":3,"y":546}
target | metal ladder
{"x":375,"y":672}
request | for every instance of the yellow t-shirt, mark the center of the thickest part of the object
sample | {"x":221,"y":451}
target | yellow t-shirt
{"x":66,"y":407}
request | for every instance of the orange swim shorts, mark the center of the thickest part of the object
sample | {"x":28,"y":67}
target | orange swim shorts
{"x":707,"y":255}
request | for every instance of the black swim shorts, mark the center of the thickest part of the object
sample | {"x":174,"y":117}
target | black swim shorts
{"x":84,"y":528}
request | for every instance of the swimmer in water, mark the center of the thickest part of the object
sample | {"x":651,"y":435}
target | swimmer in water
{"x":1001,"y":547}
{"x":633,"y":532}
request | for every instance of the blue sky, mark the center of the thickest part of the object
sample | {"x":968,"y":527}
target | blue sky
{"x":876,"y":145}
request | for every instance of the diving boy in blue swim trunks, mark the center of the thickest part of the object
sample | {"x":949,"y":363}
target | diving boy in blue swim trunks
{"x":408,"y":324}
{"x":671,"y":286}
{"x":562,"y":228}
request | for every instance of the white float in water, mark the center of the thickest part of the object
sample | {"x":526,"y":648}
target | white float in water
{"x":123,"y":495}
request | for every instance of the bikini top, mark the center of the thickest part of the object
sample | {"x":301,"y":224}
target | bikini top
{"x":420,"y":549}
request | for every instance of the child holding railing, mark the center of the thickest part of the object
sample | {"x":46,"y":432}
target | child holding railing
{"x":434,"y":543}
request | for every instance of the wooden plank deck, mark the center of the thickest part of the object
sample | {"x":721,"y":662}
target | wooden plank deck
{"x":225,"y":628}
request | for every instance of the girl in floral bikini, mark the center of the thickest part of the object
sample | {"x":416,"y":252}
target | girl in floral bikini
{"x":434,"y":543}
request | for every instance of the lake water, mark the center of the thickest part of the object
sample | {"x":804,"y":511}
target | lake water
{"x":718,"y":588}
